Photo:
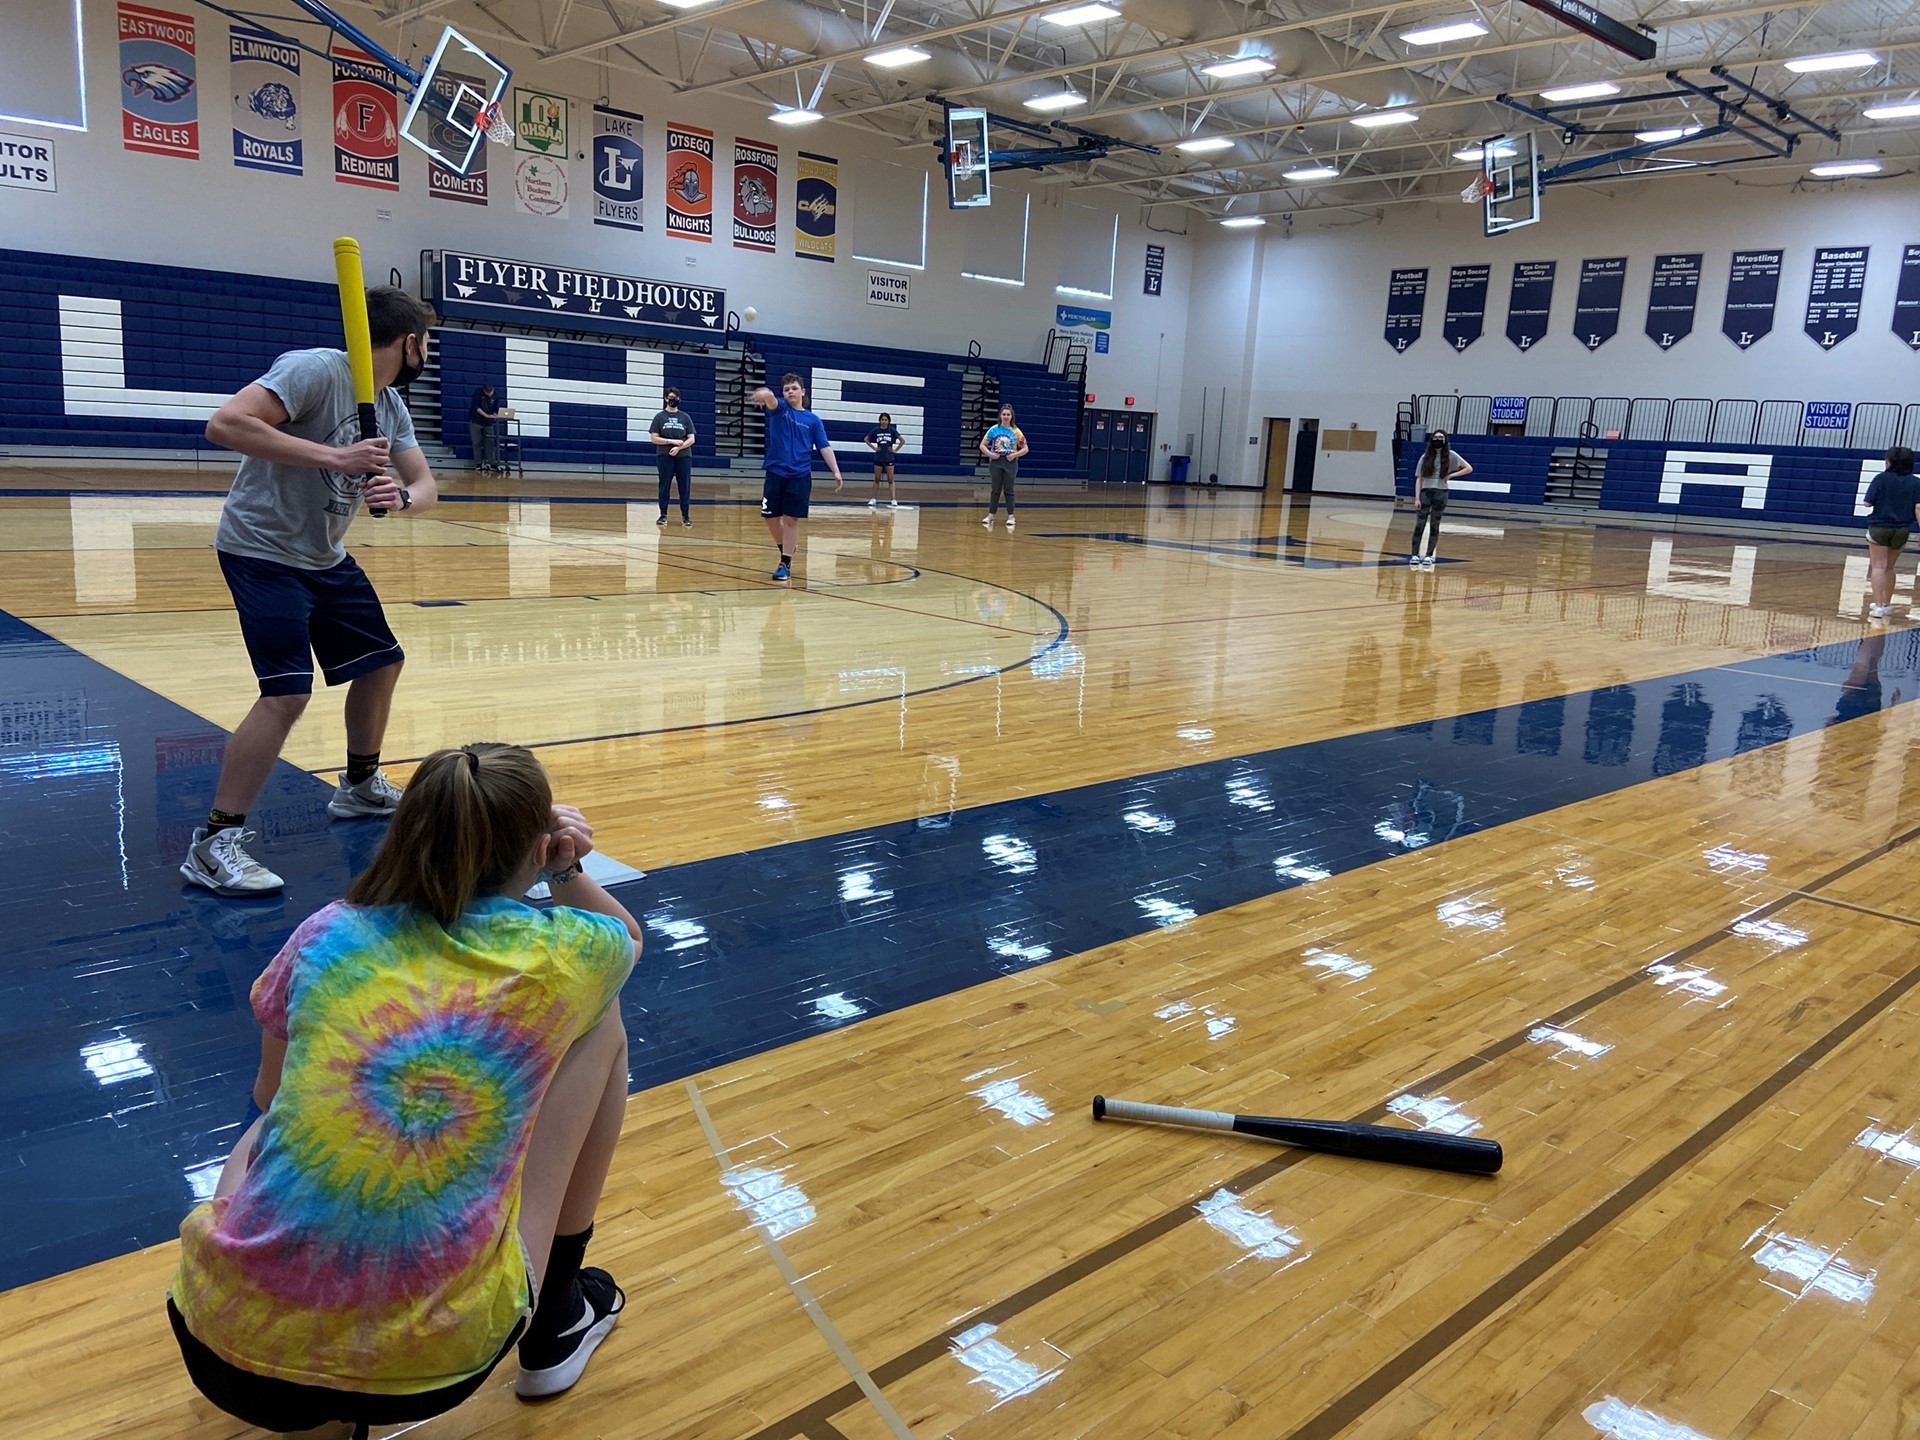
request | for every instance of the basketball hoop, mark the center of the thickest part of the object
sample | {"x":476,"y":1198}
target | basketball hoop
{"x":1478,"y":189}
{"x":499,"y":129}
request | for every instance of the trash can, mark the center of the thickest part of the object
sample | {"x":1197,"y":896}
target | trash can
{"x":1177,"y":468}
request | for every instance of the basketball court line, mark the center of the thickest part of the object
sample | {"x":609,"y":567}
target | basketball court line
{"x":1386,"y":1378}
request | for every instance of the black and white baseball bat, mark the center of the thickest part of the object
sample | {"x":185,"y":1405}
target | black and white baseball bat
{"x":1461,"y":1153}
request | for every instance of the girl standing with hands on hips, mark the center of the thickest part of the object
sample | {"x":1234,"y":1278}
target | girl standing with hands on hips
{"x":1003,"y":445}
{"x":1438,"y":464}
{"x":443,"y":1074}
{"x":672,"y":432}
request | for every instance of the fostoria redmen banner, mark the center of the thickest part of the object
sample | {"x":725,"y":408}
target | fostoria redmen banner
{"x":690,"y":183}
{"x":366,"y":121}
{"x":159,"y":88}
{"x":756,"y":192}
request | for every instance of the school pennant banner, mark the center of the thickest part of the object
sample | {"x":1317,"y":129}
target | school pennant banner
{"x":159,"y":84}
{"x":619,"y":156}
{"x":263,"y":72}
{"x":816,"y":204}
{"x":756,"y":191}
{"x":690,"y":183}
{"x":366,"y":121}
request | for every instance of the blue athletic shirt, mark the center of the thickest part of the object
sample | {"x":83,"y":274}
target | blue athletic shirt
{"x":792,"y":437}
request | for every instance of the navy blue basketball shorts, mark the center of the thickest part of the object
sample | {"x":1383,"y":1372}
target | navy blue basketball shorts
{"x":291,"y":618}
{"x":786,"y":495}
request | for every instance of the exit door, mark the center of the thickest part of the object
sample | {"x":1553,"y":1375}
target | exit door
{"x":1117,"y":446}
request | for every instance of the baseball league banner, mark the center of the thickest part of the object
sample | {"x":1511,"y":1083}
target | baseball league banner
{"x":1833,"y":294}
{"x":619,"y":155}
{"x":1906,"y":299}
{"x":690,"y":183}
{"x":366,"y":121}
{"x":264,"y":73}
{"x":159,"y":101}
{"x":816,"y":203}
{"x":756,"y":191}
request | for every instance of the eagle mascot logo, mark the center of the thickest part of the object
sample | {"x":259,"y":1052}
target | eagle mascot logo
{"x":163,"y":82}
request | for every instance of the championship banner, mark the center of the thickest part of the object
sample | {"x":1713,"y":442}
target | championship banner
{"x":540,"y":180}
{"x":467,"y":189}
{"x":366,"y":121}
{"x":756,"y":191}
{"x":159,"y":105}
{"x":1406,"y":307}
{"x":1466,"y":314}
{"x":1906,"y":299}
{"x":1596,"y":309}
{"x":690,"y":183}
{"x":816,"y":203}
{"x":1753,"y":284}
{"x":264,"y":73}
{"x":618,"y":156}
{"x":1530,"y":302}
{"x":1833,"y":295}
{"x":1672,"y":298}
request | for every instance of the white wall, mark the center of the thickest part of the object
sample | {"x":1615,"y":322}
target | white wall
{"x":210,"y":214}
{"x":1311,"y":307}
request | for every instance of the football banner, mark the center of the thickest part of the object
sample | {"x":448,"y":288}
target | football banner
{"x":159,"y":98}
{"x":264,"y":73}
{"x":366,"y":121}
{"x":756,"y":192}
{"x":816,"y":202}
{"x":690,"y":183}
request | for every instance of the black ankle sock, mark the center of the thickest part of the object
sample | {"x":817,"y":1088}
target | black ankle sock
{"x":786,"y":559}
{"x":559,"y":1303}
{"x":218,"y":820}
{"x":361,"y":767}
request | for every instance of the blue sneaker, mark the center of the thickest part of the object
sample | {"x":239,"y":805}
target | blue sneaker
{"x":782,"y":571}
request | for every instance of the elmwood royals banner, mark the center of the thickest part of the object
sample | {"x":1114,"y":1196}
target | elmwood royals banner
{"x":263,"y":72}
{"x":366,"y":121}
{"x":756,"y":191}
{"x":159,"y":99}
{"x":816,"y":204}
{"x":565,"y":298}
{"x":690,"y":183}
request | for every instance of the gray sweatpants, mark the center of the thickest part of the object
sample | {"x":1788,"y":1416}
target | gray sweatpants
{"x":1001,"y":473}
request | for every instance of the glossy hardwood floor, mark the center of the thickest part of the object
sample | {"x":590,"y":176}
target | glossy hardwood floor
{"x":1684,"y":1002}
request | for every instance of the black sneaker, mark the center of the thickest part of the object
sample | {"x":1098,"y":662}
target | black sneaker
{"x":548,"y":1367}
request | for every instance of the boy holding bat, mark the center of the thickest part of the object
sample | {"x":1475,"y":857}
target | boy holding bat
{"x":300,"y":596}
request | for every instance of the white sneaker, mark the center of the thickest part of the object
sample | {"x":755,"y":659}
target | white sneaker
{"x":375,"y":795}
{"x":893,"y":504}
{"x":1010,"y":522}
{"x":988,"y":522}
{"x":221,"y":863}
{"x":1878,"y":611}
{"x":873,"y":504}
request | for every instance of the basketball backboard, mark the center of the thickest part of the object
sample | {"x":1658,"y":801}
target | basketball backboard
{"x":447,"y":115}
{"x":968,"y":167}
{"x":1511,"y":164}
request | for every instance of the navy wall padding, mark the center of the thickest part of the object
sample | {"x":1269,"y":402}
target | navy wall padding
{"x":937,"y":396}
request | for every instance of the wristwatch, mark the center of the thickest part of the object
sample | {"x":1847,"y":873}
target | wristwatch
{"x":560,"y":877}
{"x":406,"y":498}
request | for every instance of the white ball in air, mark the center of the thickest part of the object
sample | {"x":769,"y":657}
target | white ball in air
{"x":749,"y":314}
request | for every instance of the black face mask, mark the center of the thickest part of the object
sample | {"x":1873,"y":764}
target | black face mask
{"x":409,"y":370}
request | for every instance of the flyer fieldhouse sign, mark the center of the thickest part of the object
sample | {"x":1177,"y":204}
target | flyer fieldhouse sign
{"x":559,"y":297}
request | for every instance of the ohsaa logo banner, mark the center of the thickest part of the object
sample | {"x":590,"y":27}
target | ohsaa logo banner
{"x":690,"y":183}
{"x":467,"y":189}
{"x":159,"y":96}
{"x":265,"y":75}
{"x":816,"y":204}
{"x":540,"y":186}
{"x":539,"y":122}
{"x":619,"y":154}
{"x":756,"y":192}
{"x":366,"y":121}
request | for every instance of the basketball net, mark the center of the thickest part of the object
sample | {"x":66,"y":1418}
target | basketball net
{"x":499,"y":129}
{"x":1478,"y":189}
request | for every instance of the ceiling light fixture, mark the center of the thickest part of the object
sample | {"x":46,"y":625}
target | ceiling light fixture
{"x":1205,"y":145}
{"x":1243,"y":222}
{"x":1082,"y":15}
{"x":1312,"y":172}
{"x":1441,"y":34}
{"x":1478,"y":152}
{"x":1376,"y":118}
{"x":1245,"y":65}
{"x":1836,"y":169}
{"x":794,"y":117}
{"x":1655,"y":137}
{"x":1057,"y":100}
{"x":1591,"y":90}
{"x":1905,"y":110}
{"x":900,"y":55}
{"x":1850,"y":60}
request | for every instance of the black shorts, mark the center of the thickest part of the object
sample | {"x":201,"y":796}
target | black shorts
{"x":1893,"y":537}
{"x":292,"y":617}
{"x":882,"y":462}
{"x":786,"y":495}
{"x":285,"y":1405}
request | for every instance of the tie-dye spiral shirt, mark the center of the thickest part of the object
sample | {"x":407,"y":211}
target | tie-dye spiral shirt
{"x":374,"y":1244}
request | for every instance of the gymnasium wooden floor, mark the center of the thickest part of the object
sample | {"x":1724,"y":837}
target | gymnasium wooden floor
{"x":1594,"y":840}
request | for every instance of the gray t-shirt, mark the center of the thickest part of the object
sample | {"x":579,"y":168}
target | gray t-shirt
{"x":296,"y":514}
{"x":1439,"y":482}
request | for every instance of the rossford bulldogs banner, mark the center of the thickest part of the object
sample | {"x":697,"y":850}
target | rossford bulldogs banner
{"x":159,"y":98}
{"x":264,"y":75}
{"x":816,"y":203}
{"x":690,"y":183}
{"x":756,"y":191}
{"x":366,"y":121}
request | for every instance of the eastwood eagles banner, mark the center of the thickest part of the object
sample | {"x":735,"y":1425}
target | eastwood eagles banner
{"x":159,"y":98}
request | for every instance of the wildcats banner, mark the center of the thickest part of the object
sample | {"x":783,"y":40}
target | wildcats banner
{"x":467,"y":189}
{"x":265,"y":76}
{"x":159,"y":104}
{"x":690,"y":183}
{"x":366,"y":121}
{"x":816,"y":203}
{"x":1673,"y":297}
{"x":1406,"y":307}
{"x":561,"y":297}
{"x":618,"y":156}
{"x":756,"y":190}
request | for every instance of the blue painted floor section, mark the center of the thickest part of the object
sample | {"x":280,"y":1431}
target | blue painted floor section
{"x":126,"y":1044}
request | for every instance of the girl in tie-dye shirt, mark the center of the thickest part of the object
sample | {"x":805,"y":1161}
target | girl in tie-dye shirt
{"x":442,"y":1064}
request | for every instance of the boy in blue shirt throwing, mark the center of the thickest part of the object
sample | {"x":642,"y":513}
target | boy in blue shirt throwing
{"x":793,"y":434}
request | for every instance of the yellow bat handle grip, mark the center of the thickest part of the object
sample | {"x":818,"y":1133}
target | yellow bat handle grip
{"x":353,"y":316}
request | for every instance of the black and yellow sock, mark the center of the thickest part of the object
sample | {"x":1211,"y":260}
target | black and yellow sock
{"x":361,"y":767}
{"x":218,"y":820}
